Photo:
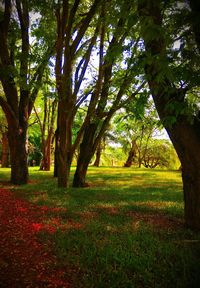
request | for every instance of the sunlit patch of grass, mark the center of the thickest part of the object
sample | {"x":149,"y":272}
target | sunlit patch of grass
{"x":4,"y":176}
{"x":160,"y":204}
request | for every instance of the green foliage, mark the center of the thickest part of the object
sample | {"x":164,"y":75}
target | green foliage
{"x":34,"y":150}
{"x":139,"y":126}
{"x":177,"y":63}
{"x":112,"y":156}
{"x":160,"y":153}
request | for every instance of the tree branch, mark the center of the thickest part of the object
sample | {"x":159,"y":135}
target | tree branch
{"x":84,"y":26}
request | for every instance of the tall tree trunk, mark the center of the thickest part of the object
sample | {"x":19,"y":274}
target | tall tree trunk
{"x":184,"y":133}
{"x":186,"y":140}
{"x":18,"y":155}
{"x":139,"y":159}
{"x":45,"y":164}
{"x":55,"y":172}
{"x":81,"y":171}
{"x":98,"y":156}
{"x":131,"y":155}
{"x":87,"y":150}
{"x":46,"y":151}
{"x":65,"y":153}
{"x":5,"y":150}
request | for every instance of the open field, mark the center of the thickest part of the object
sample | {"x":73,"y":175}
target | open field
{"x":125,"y":230}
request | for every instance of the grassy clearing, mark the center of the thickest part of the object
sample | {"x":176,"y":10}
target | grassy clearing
{"x":125,"y":230}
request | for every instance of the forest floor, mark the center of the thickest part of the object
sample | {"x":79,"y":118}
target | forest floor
{"x":125,"y":230}
{"x":24,"y":260}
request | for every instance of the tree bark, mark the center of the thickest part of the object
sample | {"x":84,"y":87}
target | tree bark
{"x":186,"y":140}
{"x":65,"y":154}
{"x":131,"y":155}
{"x":183,"y":133}
{"x":55,"y":172}
{"x":45,"y":164}
{"x":47,"y":127}
{"x":80,"y":173}
{"x":5,"y":150}
{"x":87,"y":150}
{"x":18,"y":154}
{"x":98,"y":156}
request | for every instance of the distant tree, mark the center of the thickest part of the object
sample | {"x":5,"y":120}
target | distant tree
{"x":134,"y":129}
{"x":99,"y":149}
{"x":160,"y":153}
{"x":45,"y":113}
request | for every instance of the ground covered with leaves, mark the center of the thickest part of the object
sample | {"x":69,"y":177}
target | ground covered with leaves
{"x":24,"y":260}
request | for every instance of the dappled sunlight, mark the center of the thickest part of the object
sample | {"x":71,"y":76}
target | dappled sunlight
{"x":110,"y":209}
{"x":129,"y":177}
{"x":158,"y":204}
{"x":39,"y":198}
{"x":156,"y":221}
{"x":115,"y":221}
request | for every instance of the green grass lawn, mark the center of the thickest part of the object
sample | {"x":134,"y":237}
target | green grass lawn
{"x":125,"y":230}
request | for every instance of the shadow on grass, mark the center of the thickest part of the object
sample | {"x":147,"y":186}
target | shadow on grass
{"x":143,"y":190}
{"x":120,"y":231}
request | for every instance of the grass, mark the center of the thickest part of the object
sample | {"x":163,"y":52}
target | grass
{"x":125,"y":230}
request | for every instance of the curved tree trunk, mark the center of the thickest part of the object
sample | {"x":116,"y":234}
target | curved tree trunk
{"x":186,"y":140}
{"x":5,"y":150}
{"x":184,"y":133}
{"x":81,"y":171}
{"x":87,"y":150}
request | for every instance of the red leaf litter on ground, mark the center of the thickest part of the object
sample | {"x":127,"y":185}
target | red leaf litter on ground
{"x":24,"y":260}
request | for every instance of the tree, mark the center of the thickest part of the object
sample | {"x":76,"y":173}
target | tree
{"x":171,"y":90}
{"x":135,"y":127}
{"x":160,"y":153}
{"x":112,"y":87}
{"x":19,"y":85}
{"x":99,"y":149}
{"x":72,"y":24}
{"x":48,"y":108}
